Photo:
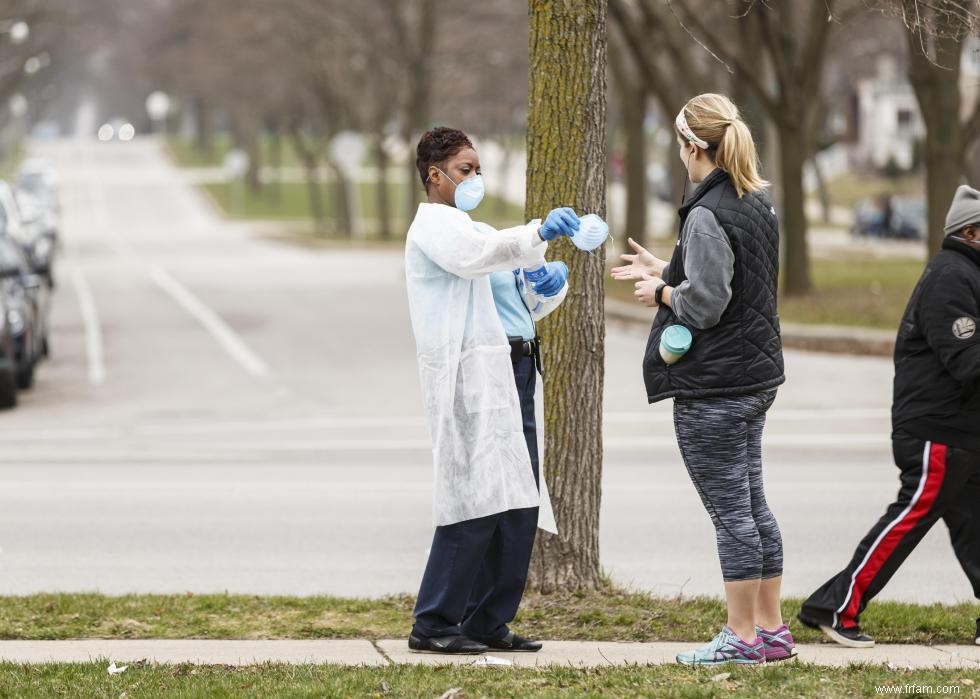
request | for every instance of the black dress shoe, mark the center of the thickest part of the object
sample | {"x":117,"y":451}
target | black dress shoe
{"x":514,"y":644}
{"x":455,"y":645}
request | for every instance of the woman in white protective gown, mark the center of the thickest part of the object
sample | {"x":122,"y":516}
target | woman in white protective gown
{"x":473,"y":305}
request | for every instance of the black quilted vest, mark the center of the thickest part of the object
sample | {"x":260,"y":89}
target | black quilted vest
{"x":743,"y":352}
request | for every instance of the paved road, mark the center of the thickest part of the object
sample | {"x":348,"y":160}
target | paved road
{"x":224,"y":412}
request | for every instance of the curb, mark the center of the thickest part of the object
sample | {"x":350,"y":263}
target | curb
{"x":836,"y":339}
{"x":388,"y":652}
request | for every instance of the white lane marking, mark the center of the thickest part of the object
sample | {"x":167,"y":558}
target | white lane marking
{"x":93,"y":333}
{"x":212,"y":322}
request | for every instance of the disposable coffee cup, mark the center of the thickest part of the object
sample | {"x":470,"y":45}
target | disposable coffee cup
{"x":675,"y":341}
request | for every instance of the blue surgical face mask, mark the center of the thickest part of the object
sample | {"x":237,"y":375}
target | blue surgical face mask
{"x":469,"y":192}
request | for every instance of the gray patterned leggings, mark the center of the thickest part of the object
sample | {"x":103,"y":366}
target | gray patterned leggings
{"x":721,"y":443}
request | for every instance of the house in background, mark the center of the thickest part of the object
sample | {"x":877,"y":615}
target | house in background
{"x":886,"y":112}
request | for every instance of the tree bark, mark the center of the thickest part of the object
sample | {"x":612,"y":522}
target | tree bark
{"x":423,"y":39}
{"x":935,"y":80}
{"x":314,"y":195}
{"x":384,"y":205}
{"x":792,"y":156}
{"x":633,"y":109}
{"x":822,"y":193}
{"x":634,"y":114}
{"x":275,"y":161}
{"x":202,"y":128}
{"x":567,"y":167}
{"x":343,"y":223}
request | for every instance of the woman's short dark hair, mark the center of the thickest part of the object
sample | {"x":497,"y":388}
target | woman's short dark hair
{"x":436,"y":146}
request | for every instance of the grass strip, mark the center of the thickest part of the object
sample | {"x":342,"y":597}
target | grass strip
{"x":278,"y":680}
{"x":607,"y":615}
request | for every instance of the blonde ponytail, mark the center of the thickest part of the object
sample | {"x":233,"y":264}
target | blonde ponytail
{"x":716,"y":120}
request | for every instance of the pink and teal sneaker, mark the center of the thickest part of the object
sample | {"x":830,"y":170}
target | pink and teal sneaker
{"x":726,"y":648}
{"x":777,"y":645}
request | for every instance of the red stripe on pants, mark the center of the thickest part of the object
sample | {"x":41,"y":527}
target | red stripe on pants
{"x":886,"y":547}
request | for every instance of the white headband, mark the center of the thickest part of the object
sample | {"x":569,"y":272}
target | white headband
{"x":681,"y":123}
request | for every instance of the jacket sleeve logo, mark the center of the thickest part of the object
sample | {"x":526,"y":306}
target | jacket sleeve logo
{"x":964,"y":328}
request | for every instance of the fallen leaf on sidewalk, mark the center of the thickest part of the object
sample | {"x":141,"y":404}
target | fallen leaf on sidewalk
{"x":114,"y":670}
{"x":721,"y":677}
{"x":491,"y":660}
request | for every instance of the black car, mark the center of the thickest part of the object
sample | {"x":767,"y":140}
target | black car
{"x":27,"y":301}
{"x":35,"y":233}
{"x":8,"y":362}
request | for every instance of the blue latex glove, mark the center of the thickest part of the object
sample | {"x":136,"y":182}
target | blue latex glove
{"x":552,"y":284}
{"x":563,"y":221}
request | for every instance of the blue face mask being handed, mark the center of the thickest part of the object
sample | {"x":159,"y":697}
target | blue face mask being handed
{"x":469,"y":192}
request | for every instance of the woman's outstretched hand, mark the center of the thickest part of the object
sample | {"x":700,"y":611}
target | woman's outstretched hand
{"x":642,"y":263}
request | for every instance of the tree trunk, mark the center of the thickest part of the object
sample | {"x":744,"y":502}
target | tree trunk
{"x":822,"y":194}
{"x":500,"y":204}
{"x":275,"y":161}
{"x":384,"y":205}
{"x":343,"y":222}
{"x":973,"y":163}
{"x":634,"y":116}
{"x":936,"y":85}
{"x":202,"y":128}
{"x":792,"y":156}
{"x":679,"y":181}
{"x":567,"y":167}
{"x":252,"y":174}
{"x":944,"y":172}
{"x":420,"y":92}
{"x":315,"y":197}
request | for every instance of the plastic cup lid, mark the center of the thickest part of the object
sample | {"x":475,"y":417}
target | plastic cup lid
{"x":676,"y":339}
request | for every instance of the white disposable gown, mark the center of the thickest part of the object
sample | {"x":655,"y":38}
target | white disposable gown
{"x":482,"y":465}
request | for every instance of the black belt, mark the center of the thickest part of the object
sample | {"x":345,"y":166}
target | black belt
{"x":519,"y":347}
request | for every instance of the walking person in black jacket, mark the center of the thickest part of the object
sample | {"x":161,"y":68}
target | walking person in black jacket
{"x":935,"y":432}
{"x":716,"y":299}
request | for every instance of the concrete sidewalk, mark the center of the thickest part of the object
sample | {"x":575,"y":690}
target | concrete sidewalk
{"x":363,"y":652}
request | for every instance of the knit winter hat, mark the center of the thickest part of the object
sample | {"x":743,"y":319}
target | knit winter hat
{"x":964,"y":210}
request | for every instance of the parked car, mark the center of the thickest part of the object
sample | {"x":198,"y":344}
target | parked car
{"x":8,"y":361}
{"x":27,"y":300}
{"x":38,"y":178}
{"x":886,"y":216}
{"x":40,"y":238}
{"x":34,"y":233}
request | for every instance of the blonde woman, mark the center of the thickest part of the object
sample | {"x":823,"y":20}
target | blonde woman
{"x":721,"y":286}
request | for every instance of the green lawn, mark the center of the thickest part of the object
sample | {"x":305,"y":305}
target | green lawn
{"x":186,"y":154}
{"x":609,"y":615}
{"x":865,"y":292}
{"x":858,"y":292}
{"x":850,"y":188}
{"x":278,"y":680}
{"x":10,"y":163}
{"x":290,"y":201}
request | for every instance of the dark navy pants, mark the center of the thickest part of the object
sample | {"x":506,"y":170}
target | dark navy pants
{"x":475,"y":576}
